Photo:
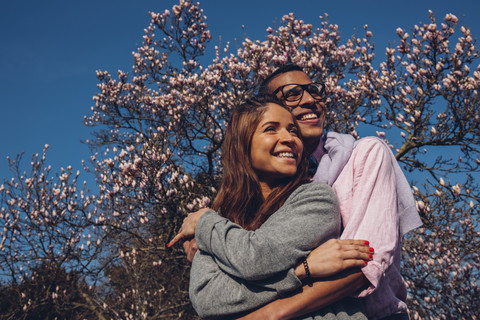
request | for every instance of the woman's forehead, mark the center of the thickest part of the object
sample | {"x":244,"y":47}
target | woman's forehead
{"x":275,"y":112}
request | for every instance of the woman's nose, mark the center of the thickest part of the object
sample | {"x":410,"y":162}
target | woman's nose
{"x":286,"y":136}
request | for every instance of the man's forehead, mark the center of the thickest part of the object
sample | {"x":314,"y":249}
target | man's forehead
{"x":298,"y":77}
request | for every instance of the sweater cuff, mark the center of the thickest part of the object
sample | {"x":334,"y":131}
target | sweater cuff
{"x":289,"y":283}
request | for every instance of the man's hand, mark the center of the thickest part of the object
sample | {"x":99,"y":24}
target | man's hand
{"x":187,"y":230}
{"x":190,"y":247}
{"x":335,"y":256}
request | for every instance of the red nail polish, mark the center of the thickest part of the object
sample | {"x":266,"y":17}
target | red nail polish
{"x":371,"y":256}
{"x":168,"y":244}
{"x":370,"y":249}
{"x":367,"y":243}
{"x":365,"y":261}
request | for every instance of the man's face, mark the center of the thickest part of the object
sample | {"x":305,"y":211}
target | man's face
{"x":309,"y":112}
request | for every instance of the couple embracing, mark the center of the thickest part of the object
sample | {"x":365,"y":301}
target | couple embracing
{"x":304,"y":225}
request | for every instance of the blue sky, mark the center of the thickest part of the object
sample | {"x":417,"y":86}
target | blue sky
{"x":50,"y":51}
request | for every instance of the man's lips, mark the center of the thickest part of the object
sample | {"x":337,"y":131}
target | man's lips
{"x":308,"y":116}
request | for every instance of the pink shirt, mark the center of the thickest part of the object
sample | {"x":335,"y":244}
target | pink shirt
{"x":366,"y":188}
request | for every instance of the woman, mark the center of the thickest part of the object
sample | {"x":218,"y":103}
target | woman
{"x":269,"y":220}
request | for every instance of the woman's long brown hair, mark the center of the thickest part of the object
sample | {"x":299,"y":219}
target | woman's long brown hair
{"x":240,"y":198}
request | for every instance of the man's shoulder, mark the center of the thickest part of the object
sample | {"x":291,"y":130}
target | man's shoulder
{"x":371,"y":143}
{"x":371,"y":151}
{"x":365,"y":145}
{"x":370,"y":139}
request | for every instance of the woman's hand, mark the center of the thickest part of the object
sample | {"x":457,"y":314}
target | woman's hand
{"x":334,"y":256}
{"x":187,"y":230}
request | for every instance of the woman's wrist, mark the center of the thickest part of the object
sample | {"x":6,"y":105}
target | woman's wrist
{"x":308,"y":276}
{"x":300,"y":271}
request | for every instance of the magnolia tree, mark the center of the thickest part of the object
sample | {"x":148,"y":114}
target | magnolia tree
{"x":49,"y":244}
{"x":157,"y":133}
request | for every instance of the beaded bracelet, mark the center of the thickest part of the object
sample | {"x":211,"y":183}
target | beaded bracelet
{"x":307,"y":272}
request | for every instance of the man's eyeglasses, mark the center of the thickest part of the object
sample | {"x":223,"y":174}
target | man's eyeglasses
{"x":294,"y":92}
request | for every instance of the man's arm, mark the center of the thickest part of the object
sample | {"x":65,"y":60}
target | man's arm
{"x":366,"y":190}
{"x":190,"y":248}
{"x":311,"y":298}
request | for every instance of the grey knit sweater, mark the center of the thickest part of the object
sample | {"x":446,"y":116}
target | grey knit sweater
{"x":236,"y":270}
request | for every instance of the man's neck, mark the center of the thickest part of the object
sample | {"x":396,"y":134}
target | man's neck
{"x":311,"y":145}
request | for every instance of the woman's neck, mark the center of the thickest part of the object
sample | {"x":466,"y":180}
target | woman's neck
{"x":266,"y":189}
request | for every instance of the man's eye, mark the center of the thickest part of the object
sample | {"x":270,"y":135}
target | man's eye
{"x":314,"y":90}
{"x":294,"y":92}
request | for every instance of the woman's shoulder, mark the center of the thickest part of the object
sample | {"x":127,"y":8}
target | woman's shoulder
{"x":311,"y":189}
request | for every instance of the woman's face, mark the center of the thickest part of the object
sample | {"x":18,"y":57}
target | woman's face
{"x":276,"y":149}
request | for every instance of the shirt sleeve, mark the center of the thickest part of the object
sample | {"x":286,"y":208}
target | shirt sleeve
{"x":368,"y":187}
{"x":309,"y":217}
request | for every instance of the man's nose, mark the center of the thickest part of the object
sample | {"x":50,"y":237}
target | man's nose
{"x":307,"y":99}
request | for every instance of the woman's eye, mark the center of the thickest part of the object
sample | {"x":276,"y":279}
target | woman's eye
{"x":269,"y":129}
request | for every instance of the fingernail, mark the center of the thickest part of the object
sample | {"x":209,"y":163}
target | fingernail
{"x":367,"y":243}
{"x":168,"y":244}
{"x":370,"y":249}
{"x":365,"y":261}
{"x":371,"y":256}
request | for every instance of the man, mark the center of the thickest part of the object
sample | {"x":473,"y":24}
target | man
{"x":375,"y":200}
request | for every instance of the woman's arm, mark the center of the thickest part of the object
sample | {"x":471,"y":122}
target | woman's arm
{"x":342,"y":254}
{"x":309,"y":217}
{"x":214,"y":293}
{"x":217,"y":282}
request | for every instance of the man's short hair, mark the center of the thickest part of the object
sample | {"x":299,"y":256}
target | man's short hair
{"x":283,"y":69}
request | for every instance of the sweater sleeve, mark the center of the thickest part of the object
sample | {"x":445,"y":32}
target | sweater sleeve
{"x":214,"y":293}
{"x":308,"y":217}
{"x":237,"y":270}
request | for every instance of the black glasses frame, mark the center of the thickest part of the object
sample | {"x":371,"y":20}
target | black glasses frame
{"x":320,"y":87}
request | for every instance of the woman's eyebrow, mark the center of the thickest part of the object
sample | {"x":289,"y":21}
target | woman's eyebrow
{"x":290,"y":125}
{"x":276,"y":123}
